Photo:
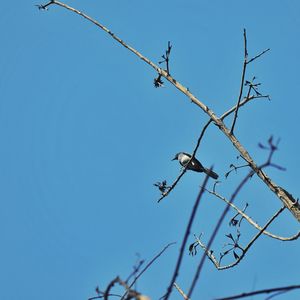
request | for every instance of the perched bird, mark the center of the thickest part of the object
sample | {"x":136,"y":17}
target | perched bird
{"x":194,"y":164}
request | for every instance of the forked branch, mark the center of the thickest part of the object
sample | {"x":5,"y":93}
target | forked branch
{"x":286,"y":198}
{"x":166,"y":191}
{"x":252,"y":222}
{"x":213,"y":259}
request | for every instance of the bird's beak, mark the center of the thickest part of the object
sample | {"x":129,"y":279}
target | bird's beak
{"x":174,"y":158}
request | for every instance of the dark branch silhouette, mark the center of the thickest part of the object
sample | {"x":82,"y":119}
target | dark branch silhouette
{"x":186,"y":235}
{"x":285,"y":197}
{"x":259,"y":292}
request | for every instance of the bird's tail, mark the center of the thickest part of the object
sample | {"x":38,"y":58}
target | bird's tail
{"x":211,"y":173}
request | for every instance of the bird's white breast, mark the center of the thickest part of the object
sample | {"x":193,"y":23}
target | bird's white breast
{"x":184,"y":159}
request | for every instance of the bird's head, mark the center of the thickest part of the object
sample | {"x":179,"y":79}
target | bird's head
{"x":176,"y":156}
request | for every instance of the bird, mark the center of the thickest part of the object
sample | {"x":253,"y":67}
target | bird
{"x":194,"y":164}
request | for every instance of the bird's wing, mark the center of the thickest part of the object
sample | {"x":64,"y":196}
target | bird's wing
{"x":189,"y":155}
{"x":196,"y":165}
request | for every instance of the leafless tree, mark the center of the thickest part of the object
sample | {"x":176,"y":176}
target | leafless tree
{"x":249,"y":91}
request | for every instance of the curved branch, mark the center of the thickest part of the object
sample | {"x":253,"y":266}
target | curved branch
{"x":286,"y":198}
{"x":210,"y":255}
{"x":253,"y":223}
{"x":215,"y":232}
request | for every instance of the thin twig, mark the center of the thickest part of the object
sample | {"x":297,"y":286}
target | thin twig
{"x":253,"y":223}
{"x":109,"y":287}
{"x":242,"y":82}
{"x":185,"y":238}
{"x":264,"y":291}
{"x":166,"y":57}
{"x":186,"y":166}
{"x":130,"y":292}
{"x":135,"y":270}
{"x":246,"y":62}
{"x":272,"y":148}
{"x":181,"y":292}
{"x":282,"y":194}
{"x":258,"y":55}
{"x":183,"y":171}
{"x":45,"y":6}
{"x":102,"y":296}
{"x":210,"y":255}
{"x":243,"y":102}
{"x":146,"y":267}
{"x":167,"y":192}
{"x":214,"y":234}
{"x":235,"y":168}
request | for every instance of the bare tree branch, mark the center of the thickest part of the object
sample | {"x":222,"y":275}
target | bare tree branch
{"x":109,"y":287}
{"x":210,"y":255}
{"x":136,"y":269}
{"x":246,"y":62}
{"x":146,"y":267}
{"x":45,"y":6}
{"x":264,"y":291}
{"x":184,"y":241}
{"x":183,"y":171}
{"x":243,"y":102}
{"x":258,"y":55}
{"x":253,"y":223}
{"x":272,"y":148}
{"x":286,"y":198}
{"x":242,"y":82}
{"x":181,"y":292}
{"x":214,"y":234}
{"x":102,"y":296}
{"x":130,"y":292}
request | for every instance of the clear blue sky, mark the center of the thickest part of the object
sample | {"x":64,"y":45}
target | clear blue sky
{"x":84,"y":135}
